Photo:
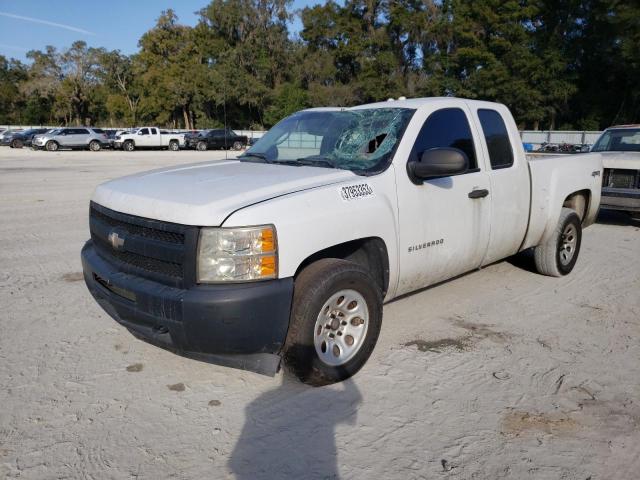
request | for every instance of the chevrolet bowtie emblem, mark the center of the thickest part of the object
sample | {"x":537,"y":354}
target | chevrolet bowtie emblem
{"x":116,"y":241}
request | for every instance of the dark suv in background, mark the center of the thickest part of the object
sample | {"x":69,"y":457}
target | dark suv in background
{"x":19,"y":139}
{"x":217,"y":139}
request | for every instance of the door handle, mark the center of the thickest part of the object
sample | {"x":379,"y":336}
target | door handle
{"x":479,"y":193}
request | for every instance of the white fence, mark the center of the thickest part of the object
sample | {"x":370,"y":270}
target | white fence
{"x":574,"y":137}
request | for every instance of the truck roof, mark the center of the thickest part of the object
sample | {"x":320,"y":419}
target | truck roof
{"x":414,"y":103}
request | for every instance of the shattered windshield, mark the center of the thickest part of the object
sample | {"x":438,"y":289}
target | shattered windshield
{"x":357,"y":140}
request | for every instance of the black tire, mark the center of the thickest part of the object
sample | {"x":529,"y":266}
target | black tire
{"x":237,"y":145}
{"x":313,"y":287}
{"x":52,"y":145}
{"x":16,"y":143}
{"x":552,"y":257}
{"x":201,"y":146}
{"x":174,"y":146}
{"x":128,"y":146}
{"x":94,"y":146}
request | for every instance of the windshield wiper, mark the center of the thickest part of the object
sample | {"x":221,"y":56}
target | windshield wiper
{"x":317,"y":161}
{"x":261,"y":156}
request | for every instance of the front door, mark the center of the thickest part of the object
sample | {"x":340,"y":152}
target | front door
{"x":444,"y":222}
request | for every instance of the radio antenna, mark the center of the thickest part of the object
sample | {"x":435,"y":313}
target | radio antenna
{"x":224,"y":109}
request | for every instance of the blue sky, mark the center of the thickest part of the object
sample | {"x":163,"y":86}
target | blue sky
{"x":114,"y":24}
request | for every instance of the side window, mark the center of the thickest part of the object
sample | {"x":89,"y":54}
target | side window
{"x":153,"y":131}
{"x":144,"y":131}
{"x":448,"y":127}
{"x":497,"y":138}
{"x":81,"y":131}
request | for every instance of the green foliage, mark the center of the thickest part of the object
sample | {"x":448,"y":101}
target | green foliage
{"x":573,"y":63}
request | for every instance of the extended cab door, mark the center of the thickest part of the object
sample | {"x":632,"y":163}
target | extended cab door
{"x":509,"y":179}
{"x":444,"y":222}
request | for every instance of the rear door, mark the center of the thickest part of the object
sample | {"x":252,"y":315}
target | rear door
{"x":509,"y":179}
{"x":444,"y":222}
{"x":155,"y":139}
{"x":80,"y":137}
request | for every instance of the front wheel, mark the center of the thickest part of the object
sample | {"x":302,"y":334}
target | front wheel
{"x":128,"y":146}
{"x":52,"y":146}
{"x":173,"y":146}
{"x":558,"y":255}
{"x":201,"y":146}
{"x":16,"y":143}
{"x":335,"y":322}
{"x":94,"y":146}
{"x":237,"y":145}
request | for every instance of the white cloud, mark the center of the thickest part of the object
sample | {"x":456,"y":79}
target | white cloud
{"x":46,"y":22}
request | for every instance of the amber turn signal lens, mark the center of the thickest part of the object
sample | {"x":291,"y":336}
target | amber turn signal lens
{"x":267,"y":266}
{"x":267,"y":240}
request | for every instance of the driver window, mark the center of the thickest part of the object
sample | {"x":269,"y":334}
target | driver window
{"x":448,"y":127}
{"x":144,"y":131}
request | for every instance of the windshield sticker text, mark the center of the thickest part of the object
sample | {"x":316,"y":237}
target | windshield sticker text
{"x":353,"y":192}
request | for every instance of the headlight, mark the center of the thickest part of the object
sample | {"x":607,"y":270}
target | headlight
{"x":237,"y":254}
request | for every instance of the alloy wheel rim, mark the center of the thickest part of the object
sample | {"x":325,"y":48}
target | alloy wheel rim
{"x":568,"y":244}
{"x":341,"y":327}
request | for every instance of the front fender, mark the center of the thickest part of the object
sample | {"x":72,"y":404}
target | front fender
{"x":312,"y":220}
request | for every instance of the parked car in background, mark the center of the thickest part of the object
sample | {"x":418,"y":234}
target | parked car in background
{"x":8,"y":132}
{"x":149,"y":137}
{"x":217,"y":139}
{"x":21,"y":139}
{"x":620,"y":149}
{"x":71,"y":138}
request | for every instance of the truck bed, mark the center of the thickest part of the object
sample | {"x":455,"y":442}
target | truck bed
{"x":558,"y":176}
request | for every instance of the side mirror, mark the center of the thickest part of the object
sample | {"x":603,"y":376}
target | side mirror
{"x":139,"y":133}
{"x":438,"y":162}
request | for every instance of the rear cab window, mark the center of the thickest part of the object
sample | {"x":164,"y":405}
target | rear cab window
{"x":448,"y":127}
{"x":496,"y":137}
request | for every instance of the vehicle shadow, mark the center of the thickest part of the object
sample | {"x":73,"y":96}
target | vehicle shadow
{"x":524,"y":260}
{"x":289,"y":432}
{"x":615,"y":217}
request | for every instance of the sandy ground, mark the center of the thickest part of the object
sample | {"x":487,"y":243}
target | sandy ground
{"x":502,"y":373}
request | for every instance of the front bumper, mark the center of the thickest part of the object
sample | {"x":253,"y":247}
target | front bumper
{"x":627,"y":199}
{"x":240,"y":325}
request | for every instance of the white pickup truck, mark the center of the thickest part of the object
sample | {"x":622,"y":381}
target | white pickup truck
{"x":149,"y":137}
{"x":291,"y":250}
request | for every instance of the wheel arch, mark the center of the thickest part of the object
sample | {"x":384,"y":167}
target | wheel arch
{"x":580,"y":202}
{"x":370,"y":252}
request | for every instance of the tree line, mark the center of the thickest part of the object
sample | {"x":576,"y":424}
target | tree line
{"x":556,"y":63}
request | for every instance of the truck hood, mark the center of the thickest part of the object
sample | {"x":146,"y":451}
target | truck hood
{"x":624,"y":160}
{"x":205,"y":194}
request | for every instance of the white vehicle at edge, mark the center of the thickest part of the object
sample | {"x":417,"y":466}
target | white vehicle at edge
{"x":290,"y":251}
{"x":149,"y":137}
{"x":620,"y":149}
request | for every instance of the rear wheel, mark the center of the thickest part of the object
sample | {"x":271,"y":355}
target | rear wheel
{"x":558,"y":255}
{"x":201,"y":146}
{"x":128,"y":146}
{"x":94,"y":146}
{"x":174,"y":146}
{"x":52,"y":145}
{"x":16,"y":143}
{"x":336,"y":317}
